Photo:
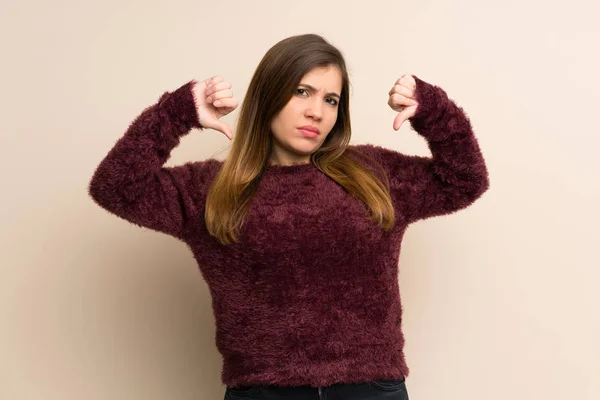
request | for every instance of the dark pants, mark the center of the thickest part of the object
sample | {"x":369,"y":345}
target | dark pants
{"x":374,"y":390}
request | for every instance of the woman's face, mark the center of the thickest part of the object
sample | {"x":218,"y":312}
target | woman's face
{"x":315,"y":104}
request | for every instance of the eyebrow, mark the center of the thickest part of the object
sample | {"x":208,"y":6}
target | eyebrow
{"x":314,"y":90}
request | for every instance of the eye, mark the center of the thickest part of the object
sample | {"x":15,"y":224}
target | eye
{"x":333,"y":101}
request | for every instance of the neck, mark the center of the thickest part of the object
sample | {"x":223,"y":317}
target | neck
{"x":285,"y":161}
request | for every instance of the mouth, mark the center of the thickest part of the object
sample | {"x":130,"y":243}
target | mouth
{"x":309,"y":131}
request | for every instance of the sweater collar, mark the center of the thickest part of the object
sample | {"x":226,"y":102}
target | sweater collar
{"x":274,"y":170}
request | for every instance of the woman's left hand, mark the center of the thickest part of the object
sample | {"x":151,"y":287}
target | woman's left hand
{"x":402,"y":99}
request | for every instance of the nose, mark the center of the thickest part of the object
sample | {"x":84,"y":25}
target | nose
{"x":315,"y":109}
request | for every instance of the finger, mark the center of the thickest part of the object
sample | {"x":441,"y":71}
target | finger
{"x":399,"y":80}
{"x":408,"y":80}
{"x":215,"y":79}
{"x":394,"y":105}
{"x":412,"y":83}
{"x":404,"y":115}
{"x":219,"y":95}
{"x":216,"y":87}
{"x":229,"y":102}
{"x":403,"y":90}
{"x":219,"y":126}
{"x":397,"y":101}
{"x":398,"y":121}
{"x":224,"y":128}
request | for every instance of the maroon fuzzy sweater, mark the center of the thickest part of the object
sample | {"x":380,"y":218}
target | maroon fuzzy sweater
{"x":309,"y":296}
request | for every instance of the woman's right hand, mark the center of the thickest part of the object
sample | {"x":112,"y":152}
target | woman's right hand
{"x":214,"y":99}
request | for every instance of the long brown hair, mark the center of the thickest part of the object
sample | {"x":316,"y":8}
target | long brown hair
{"x":272,"y":85}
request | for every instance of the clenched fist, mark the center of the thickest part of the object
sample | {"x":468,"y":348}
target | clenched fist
{"x":214,"y":99}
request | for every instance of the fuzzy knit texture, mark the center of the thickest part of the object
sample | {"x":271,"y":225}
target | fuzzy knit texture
{"x":310,"y":294}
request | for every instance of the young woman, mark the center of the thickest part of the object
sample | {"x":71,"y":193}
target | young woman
{"x":297,"y":232}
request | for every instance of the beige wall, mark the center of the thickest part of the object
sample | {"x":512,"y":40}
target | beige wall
{"x":501,"y":299}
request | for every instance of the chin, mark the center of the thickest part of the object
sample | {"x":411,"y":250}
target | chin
{"x":304,"y":149}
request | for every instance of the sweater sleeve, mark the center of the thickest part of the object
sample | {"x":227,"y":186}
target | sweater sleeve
{"x":131,"y":181}
{"x":452,"y":178}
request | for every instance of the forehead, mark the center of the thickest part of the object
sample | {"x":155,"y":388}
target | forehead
{"x":327,"y":79}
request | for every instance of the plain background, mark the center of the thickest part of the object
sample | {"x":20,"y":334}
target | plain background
{"x":501,"y":299}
